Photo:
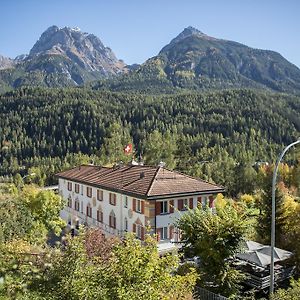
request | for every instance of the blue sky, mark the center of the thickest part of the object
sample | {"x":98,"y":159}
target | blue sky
{"x":138,"y":29}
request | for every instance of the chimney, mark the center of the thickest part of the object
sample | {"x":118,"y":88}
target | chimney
{"x":142,"y":175}
{"x":162,"y":164}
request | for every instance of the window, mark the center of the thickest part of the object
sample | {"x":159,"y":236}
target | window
{"x":126,"y":202}
{"x":183,"y":204}
{"x":69,"y":186}
{"x":69,"y":202}
{"x":138,"y":206}
{"x":100,"y":195}
{"x":112,"y":198}
{"x":77,"y":224}
{"x":139,"y":230}
{"x":125,"y":224}
{"x":81,"y":189}
{"x":162,"y":233}
{"x":164,"y":207}
{"x":112,"y":220}
{"x":100,"y":215}
{"x":89,"y":210}
{"x":76,"y":188}
{"x":89,"y":192}
{"x":77,"y":205}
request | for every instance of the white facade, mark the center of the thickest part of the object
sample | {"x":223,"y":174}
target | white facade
{"x":123,"y":211}
{"x":126,"y":218}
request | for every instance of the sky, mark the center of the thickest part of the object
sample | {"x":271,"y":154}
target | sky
{"x":137,"y":29}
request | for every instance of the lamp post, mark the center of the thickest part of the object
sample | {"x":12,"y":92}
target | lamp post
{"x":274,"y":212}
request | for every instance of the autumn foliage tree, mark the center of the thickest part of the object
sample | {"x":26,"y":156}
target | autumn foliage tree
{"x":128,"y":270}
{"x":214,"y":238}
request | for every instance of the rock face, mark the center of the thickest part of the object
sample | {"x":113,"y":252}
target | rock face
{"x":82,"y":48}
{"x":5,"y":63}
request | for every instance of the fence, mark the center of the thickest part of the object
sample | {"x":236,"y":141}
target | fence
{"x":203,"y":294}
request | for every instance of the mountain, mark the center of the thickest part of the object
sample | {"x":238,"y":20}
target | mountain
{"x":86,"y":50}
{"x":63,"y":57}
{"x":194,"y":60}
{"x":191,"y":61}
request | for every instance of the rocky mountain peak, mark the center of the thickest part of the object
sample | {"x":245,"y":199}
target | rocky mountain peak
{"x":188,"y":31}
{"x":84,"y":49}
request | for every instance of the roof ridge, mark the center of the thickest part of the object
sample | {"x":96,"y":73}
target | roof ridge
{"x":151,"y":183}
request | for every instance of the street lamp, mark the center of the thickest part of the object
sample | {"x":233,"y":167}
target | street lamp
{"x":273,"y":213}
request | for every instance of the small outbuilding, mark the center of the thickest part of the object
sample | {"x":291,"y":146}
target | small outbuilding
{"x":255,"y":263}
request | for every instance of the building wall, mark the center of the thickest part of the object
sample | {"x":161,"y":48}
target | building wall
{"x":168,"y":218}
{"x":174,"y":213}
{"x":121,"y":212}
{"x":151,"y":219}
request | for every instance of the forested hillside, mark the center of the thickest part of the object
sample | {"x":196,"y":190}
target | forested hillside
{"x":206,"y":134}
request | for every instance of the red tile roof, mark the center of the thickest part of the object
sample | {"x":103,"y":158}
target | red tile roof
{"x":141,"y":181}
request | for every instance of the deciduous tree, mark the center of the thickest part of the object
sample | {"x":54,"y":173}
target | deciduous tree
{"x":214,"y":238}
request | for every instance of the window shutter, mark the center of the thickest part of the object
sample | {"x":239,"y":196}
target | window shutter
{"x":99,"y":195}
{"x":158,"y":234}
{"x":171,"y":206}
{"x":134,"y":204}
{"x":87,"y":210}
{"x":191,"y":203}
{"x":171,"y":232}
{"x":115,"y":199}
{"x":199,"y":202}
{"x":211,"y":201}
{"x":99,"y":216}
{"x":115,"y":223}
{"x":180,"y":204}
{"x":157,"y":208}
{"x":134,"y":227}
{"x":109,"y":221}
{"x":142,"y":207}
{"x":142,"y":233}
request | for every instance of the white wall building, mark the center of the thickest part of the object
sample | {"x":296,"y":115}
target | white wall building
{"x":132,"y":198}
